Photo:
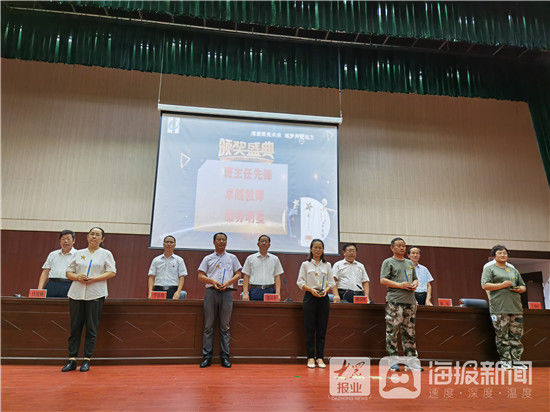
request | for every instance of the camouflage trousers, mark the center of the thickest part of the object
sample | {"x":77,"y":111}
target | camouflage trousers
{"x":400,"y":316}
{"x":508,"y":332}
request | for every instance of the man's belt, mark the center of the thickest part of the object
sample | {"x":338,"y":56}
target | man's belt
{"x":165,"y":288}
{"x":59,"y":280}
{"x":355,"y":292}
{"x":262,"y":286}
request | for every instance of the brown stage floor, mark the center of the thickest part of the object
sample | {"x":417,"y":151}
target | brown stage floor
{"x":245,"y":387}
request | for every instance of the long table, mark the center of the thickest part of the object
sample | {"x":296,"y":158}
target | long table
{"x":141,"y":331}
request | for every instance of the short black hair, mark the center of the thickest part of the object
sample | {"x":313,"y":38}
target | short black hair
{"x":395,"y":239}
{"x":346,"y":245}
{"x":219,"y":233}
{"x":496,"y":248}
{"x":67,"y":232}
{"x":413,"y":247}
{"x":261,"y":236}
{"x":166,"y":237}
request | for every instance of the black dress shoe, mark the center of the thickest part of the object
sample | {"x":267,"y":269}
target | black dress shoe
{"x":226,"y":363}
{"x":70,"y":366}
{"x":85,"y":367}
{"x":206,"y":362}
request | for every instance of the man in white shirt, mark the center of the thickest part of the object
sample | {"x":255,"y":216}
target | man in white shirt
{"x":423,"y":293}
{"x":350,"y":275}
{"x":55,"y":268}
{"x":167,"y":272}
{"x":262,"y":272}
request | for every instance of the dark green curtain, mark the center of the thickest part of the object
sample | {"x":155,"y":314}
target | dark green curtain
{"x":77,"y":40}
{"x":523,"y":24}
{"x":88,"y":41}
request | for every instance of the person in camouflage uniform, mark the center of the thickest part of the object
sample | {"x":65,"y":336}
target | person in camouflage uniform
{"x":399,"y":276}
{"x":504,"y":284}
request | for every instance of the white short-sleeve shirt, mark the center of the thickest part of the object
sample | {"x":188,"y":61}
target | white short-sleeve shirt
{"x":350,"y":275}
{"x":424,"y":277}
{"x":102,"y":261}
{"x":58,"y":262}
{"x":262,"y":269}
{"x":167,"y":270}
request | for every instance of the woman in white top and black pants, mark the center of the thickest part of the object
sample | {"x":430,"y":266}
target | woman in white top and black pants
{"x":315,"y":278}
{"x":89,"y":271}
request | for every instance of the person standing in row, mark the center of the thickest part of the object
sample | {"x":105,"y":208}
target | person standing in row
{"x":167,"y":272}
{"x":423,"y":293}
{"x":262,"y":272}
{"x":504,"y":285}
{"x":399,"y":276}
{"x":315,"y":278}
{"x":89,"y":271}
{"x":55,"y":268}
{"x":350,"y":275}
{"x":218,"y":271}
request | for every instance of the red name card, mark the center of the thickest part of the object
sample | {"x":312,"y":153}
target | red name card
{"x":37,"y":293}
{"x":444,"y":302}
{"x":535,"y":305}
{"x":360,"y":299}
{"x":158,"y":295}
{"x":271,"y":297}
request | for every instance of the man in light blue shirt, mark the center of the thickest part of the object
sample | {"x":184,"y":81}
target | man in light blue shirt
{"x":218,"y":271}
{"x":423,"y":292}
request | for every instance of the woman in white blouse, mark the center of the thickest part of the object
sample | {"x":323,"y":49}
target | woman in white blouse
{"x":315,"y":278}
{"x":89,"y":271}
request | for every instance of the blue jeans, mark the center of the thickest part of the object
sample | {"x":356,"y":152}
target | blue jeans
{"x":258,"y":294}
{"x":57,"y":288}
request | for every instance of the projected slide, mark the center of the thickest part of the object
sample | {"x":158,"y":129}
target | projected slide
{"x":245,"y":178}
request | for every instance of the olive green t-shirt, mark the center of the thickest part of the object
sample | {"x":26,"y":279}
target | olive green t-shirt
{"x":399,"y":271}
{"x":503,"y":301}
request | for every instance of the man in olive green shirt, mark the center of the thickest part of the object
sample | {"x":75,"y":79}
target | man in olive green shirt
{"x":399,"y":276}
{"x":504,"y":285}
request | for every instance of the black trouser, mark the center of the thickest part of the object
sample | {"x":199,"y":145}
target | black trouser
{"x":84,"y":312}
{"x":57,"y":288}
{"x":316,"y":312}
{"x":170,"y":290}
{"x":421,"y":297}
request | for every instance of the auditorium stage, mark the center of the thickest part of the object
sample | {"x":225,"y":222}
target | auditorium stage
{"x":244,"y":387}
{"x":148,"y":331}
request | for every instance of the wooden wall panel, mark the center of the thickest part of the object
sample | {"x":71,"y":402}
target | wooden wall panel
{"x":79,"y":148}
{"x":133,"y":328}
{"x":457,"y":272}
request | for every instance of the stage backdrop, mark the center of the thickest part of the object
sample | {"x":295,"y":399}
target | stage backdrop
{"x":246,"y":177}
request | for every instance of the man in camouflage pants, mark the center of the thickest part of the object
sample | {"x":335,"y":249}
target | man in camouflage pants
{"x":400,"y":316}
{"x":504,"y":285}
{"x":399,"y":276}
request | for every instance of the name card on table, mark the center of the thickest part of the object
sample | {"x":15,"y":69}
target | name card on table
{"x":535,"y":305}
{"x":158,"y":295}
{"x":444,"y":302}
{"x":37,"y":293}
{"x":271,"y":297}
{"x":360,"y":299}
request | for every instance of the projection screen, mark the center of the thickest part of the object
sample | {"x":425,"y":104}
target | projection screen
{"x":246,"y":174}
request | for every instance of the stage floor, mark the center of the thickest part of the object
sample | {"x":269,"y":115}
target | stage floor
{"x":245,"y":387}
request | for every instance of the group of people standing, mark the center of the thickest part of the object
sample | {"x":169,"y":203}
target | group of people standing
{"x":82,"y":276}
